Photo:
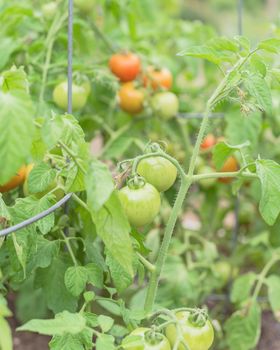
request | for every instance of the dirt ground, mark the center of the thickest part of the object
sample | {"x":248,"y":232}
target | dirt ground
{"x":270,"y":339}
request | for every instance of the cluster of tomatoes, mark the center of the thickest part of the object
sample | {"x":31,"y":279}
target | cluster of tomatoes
{"x":197,"y":333}
{"x":230,"y":165}
{"x":140,"y":199}
{"x":143,"y":87}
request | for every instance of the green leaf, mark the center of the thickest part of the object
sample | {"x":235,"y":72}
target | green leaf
{"x":6,"y":340}
{"x":202,"y":52}
{"x":241,"y":128}
{"x":99,"y":185}
{"x":7,"y":47}
{"x":81,"y":341}
{"x":95,"y":275}
{"x":105,"y":322}
{"x":76,"y":279}
{"x":40,"y":178}
{"x":4,"y":212}
{"x":16,"y":118}
{"x":118,"y":147}
{"x":270,"y":45}
{"x":51,"y":280}
{"x":63,"y":323}
{"x":273,"y":284}
{"x":44,"y":254}
{"x":242,"y":287}
{"x":121,"y":278}
{"x":105,"y":341}
{"x":243,"y":329}
{"x":112,"y":226}
{"x":268,"y":172}
{"x":15,"y":79}
{"x":259,"y":89}
{"x":4,"y":311}
{"x":223,"y":150}
{"x":257,"y":64}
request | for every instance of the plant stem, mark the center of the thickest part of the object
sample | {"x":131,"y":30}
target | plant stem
{"x":223,"y":174}
{"x":146,"y":263}
{"x":262,"y":276}
{"x":153,"y":284}
{"x":66,"y":240}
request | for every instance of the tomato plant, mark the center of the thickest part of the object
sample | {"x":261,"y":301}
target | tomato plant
{"x":123,"y":223}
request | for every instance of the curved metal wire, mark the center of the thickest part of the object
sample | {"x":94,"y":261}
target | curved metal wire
{"x":35,"y":218}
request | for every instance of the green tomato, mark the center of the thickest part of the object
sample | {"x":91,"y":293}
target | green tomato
{"x":141,"y":205}
{"x":158,"y":171}
{"x":247,"y":213}
{"x":85,"y":5}
{"x":206,"y":183}
{"x":224,"y":271}
{"x":139,"y":339}
{"x":165,"y":104}
{"x":49,"y":9}
{"x":79,"y":96}
{"x":197,"y":338}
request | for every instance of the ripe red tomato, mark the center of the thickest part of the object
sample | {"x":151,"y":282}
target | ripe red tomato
{"x":165,"y":104}
{"x":230,"y":165}
{"x":140,"y":339}
{"x":208,"y":142}
{"x":15,"y":181}
{"x":197,"y":338}
{"x":158,"y":171}
{"x":126,"y":66}
{"x":141,"y":205}
{"x":131,"y":99}
{"x":158,"y":78}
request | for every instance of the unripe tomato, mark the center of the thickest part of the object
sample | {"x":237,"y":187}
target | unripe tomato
{"x":197,"y":338}
{"x":79,"y":96}
{"x":139,"y":340}
{"x":208,"y":142}
{"x":84,"y":5}
{"x":59,"y":194}
{"x":131,"y":99}
{"x":141,"y":205}
{"x":49,"y":9}
{"x":158,"y":78}
{"x":126,"y":66}
{"x":15,"y":181}
{"x":158,"y":171}
{"x":224,"y":271}
{"x":229,"y":166}
{"x":247,"y":213}
{"x":206,"y":183}
{"x":165,"y":104}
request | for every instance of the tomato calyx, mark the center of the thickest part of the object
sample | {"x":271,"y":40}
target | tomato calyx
{"x":153,"y":147}
{"x":198,"y":317}
{"x":152,"y":337}
{"x":136,"y":182}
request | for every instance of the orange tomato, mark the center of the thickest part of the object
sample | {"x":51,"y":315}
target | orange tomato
{"x":131,"y":99}
{"x":15,"y":181}
{"x":126,"y":66}
{"x":208,"y":142}
{"x":229,"y":166}
{"x":157,"y":78}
